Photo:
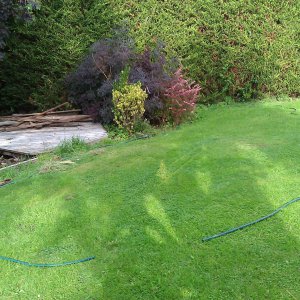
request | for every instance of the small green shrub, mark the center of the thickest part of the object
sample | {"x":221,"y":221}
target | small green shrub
{"x":129,"y":105}
{"x":115,"y":132}
{"x":143,"y":126}
{"x":68,"y":147}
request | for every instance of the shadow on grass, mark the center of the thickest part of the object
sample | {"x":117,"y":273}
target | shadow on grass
{"x":144,"y":209}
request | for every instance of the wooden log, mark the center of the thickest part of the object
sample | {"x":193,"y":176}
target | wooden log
{"x":61,"y":112}
{"x":54,"y":108}
{"x":45,"y":120}
{"x":23,"y":126}
{"x":8,"y":123}
{"x":70,"y":118}
{"x":47,"y":111}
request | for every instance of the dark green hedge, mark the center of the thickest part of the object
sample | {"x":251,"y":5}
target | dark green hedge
{"x":42,"y":51}
{"x":232,"y":48}
{"x":237,"y":49}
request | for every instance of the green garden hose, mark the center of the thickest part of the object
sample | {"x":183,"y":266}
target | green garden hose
{"x":209,"y":238}
{"x":24,"y":263}
{"x":51,"y":265}
{"x":38,"y":265}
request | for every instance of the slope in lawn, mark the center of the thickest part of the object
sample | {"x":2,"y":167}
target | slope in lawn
{"x":142,"y":209}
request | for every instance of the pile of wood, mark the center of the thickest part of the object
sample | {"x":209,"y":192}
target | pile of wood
{"x":49,"y":118}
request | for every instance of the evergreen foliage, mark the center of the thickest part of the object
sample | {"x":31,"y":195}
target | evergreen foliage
{"x":233,"y":48}
{"x":6,"y":12}
{"x":41,"y":52}
{"x":236,"y":49}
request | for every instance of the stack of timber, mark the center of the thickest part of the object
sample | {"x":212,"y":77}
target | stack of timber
{"x":49,"y":118}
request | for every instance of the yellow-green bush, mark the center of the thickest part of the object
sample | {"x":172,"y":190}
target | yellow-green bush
{"x":129,"y":105}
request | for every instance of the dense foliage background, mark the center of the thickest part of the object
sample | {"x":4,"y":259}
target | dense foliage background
{"x":6,"y":11}
{"x":41,"y":51}
{"x":234,"y":49}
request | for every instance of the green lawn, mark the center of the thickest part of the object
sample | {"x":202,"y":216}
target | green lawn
{"x":143,"y":207}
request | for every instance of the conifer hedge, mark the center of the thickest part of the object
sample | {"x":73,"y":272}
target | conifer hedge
{"x":236,"y":48}
{"x":41,"y":51}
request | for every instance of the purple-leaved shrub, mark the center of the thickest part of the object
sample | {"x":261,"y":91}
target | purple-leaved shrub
{"x":154,"y":71}
{"x":169,"y":95}
{"x":90,"y":86}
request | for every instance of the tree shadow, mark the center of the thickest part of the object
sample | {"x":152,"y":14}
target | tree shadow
{"x":145,"y":224}
{"x":239,"y":265}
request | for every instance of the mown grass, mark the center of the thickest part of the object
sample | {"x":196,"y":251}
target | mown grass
{"x":143,"y":207}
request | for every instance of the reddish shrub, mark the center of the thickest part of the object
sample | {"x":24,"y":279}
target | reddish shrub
{"x":181,"y":96}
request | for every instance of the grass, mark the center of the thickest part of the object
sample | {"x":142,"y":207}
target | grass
{"x":143,"y":207}
{"x":68,"y":147}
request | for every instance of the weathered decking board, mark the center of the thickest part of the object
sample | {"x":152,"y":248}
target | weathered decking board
{"x":35,"y":141}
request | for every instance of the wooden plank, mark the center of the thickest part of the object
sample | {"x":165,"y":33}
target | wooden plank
{"x":22,"y":120}
{"x":54,"y":108}
{"x":8,"y":123}
{"x":23,"y":126}
{"x":66,"y":112}
{"x":70,"y":118}
{"x":28,"y":119}
{"x":42,"y":121}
